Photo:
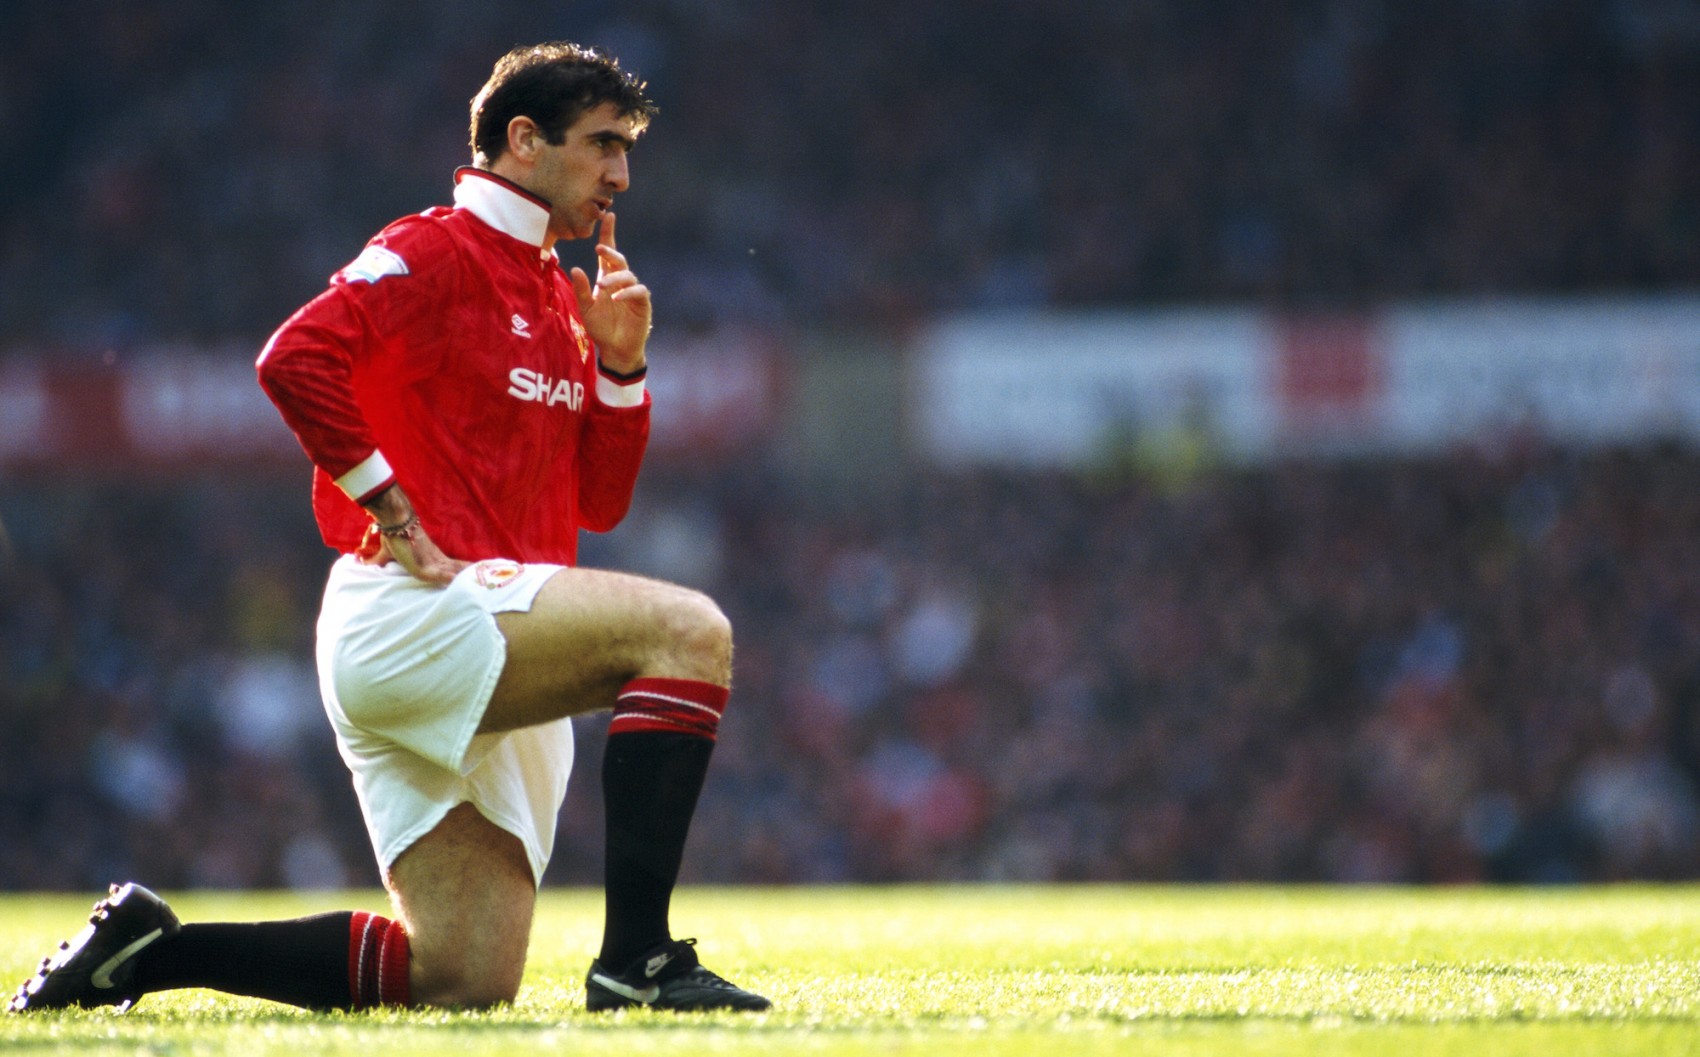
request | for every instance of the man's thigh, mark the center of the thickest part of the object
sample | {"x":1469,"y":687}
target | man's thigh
{"x":465,"y":893}
{"x":591,"y":631}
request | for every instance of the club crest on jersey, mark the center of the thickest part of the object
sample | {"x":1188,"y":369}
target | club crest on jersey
{"x":581,"y":337}
{"x":496,"y":572}
{"x":373,"y":264}
{"x":530,"y":385}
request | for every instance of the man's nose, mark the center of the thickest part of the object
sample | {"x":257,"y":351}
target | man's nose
{"x":618,"y":174}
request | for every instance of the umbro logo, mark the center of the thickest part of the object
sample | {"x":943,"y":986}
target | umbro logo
{"x":521,"y":327}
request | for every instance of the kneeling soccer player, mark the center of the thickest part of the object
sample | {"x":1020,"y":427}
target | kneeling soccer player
{"x":469,"y":407}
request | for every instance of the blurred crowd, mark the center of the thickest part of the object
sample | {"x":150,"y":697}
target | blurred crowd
{"x":195,"y":169}
{"x":1484,"y":666}
{"x":1481,"y":666}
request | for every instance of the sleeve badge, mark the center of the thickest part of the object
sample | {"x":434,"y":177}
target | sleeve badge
{"x":373,"y":264}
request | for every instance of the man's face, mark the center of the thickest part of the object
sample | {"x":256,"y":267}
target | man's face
{"x":581,"y":176}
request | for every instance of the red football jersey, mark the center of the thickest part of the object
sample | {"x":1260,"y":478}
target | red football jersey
{"x":450,"y":356}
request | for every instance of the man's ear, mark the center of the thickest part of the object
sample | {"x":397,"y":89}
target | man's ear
{"x":524,"y":138}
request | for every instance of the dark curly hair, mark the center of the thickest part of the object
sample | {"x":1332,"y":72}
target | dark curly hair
{"x":553,"y":84}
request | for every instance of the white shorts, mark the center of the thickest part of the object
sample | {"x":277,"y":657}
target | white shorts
{"x":406,"y":669}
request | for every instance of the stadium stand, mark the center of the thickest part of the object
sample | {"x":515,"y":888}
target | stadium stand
{"x":1482,"y":665}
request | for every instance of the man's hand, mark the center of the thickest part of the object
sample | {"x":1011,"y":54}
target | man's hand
{"x":414,"y":550}
{"x":616,"y":310}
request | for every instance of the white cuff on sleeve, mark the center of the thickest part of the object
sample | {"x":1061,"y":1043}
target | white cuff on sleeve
{"x":366,"y":478}
{"x":613,"y":394}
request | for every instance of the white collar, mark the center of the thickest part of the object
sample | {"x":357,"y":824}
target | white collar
{"x":503,"y":205}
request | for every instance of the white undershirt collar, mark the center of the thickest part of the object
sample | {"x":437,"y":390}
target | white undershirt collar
{"x":503,"y":205}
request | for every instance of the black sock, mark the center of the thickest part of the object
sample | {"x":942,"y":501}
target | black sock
{"x":303,"y":962}
{"x":650,"y":783}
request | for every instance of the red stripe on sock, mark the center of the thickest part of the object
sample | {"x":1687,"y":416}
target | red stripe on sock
{"x":394,"y":984}
{"x":378,"y":956}
{"x":677,"y":706}
{"x":359,"y":926}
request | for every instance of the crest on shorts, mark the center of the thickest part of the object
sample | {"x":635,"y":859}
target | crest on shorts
{"x":581,"y":337}
{"x":497,"y":572}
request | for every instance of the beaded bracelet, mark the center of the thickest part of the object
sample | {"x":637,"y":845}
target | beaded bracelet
{"x":401,"y":531}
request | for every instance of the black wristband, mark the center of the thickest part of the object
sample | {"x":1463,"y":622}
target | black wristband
{"x":619,"y":377}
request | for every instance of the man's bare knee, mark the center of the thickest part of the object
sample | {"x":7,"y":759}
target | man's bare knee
{"x":698,"y":638}
{"x":458,"y":987}
{"x":465,"y":892}
{"x":590,"y":632}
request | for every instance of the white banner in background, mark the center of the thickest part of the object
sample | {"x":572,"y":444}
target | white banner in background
{"x":1061,"y":388}
{"x":1585,"y":373}
{"x":187,"y":406}
{"x":1055,"y":389}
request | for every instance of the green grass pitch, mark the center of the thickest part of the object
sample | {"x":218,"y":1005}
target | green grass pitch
{"x":1048,"y":971}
